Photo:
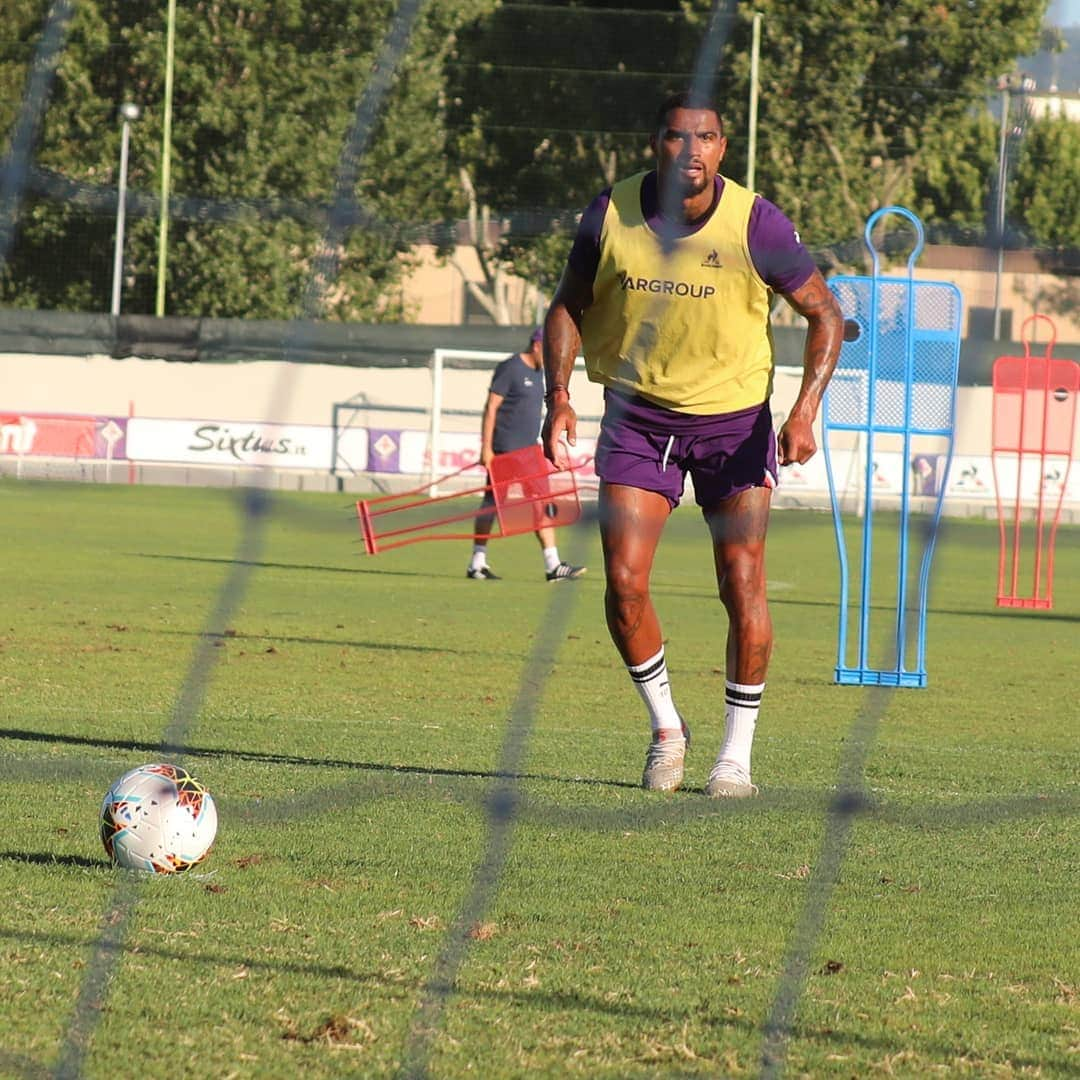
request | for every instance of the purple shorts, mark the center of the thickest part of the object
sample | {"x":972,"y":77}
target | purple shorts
{"x":644,"y":446}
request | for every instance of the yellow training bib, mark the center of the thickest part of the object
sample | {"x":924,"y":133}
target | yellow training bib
{"x":687,"y":328}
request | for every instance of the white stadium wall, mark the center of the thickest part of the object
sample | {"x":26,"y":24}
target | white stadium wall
{"x":154,"y":421}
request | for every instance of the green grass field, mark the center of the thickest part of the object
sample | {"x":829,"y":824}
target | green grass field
{"x":433,"y":856}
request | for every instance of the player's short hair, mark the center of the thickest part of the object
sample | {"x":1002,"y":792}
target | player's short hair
{"x":687,"y":99}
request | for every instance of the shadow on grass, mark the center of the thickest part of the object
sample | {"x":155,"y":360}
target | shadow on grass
{"x":658,"y":589}
{"x":649,"y":811}
{"x":385,"y":646}
{"x":148,"y":747}
{"x":259,"y":564}
{"x":549,"y":1002}
{"x":991,"y":612}
{"x":555,"y":1001}
{"x":362,"y":570}
{"x":45,"y":858}
{"x":947,"y":1060}
{"x":783,"y":599}
{"x":17,"y":1065}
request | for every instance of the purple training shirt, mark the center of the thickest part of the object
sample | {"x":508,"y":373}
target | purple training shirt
{"x":778,"y":254}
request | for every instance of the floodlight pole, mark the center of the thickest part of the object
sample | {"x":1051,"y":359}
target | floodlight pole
{"x":129,"y":112}
{"x":755,"y":55}
{"x":1003,"y":168}
{"x":166,"y":148}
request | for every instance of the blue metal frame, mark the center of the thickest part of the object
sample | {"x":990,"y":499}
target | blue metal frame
{"x":900,"y":674}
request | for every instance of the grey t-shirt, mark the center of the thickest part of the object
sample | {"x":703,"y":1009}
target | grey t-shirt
{"x":517,"y":422}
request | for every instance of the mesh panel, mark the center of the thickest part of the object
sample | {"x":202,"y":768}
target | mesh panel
{"x":901,"y":350}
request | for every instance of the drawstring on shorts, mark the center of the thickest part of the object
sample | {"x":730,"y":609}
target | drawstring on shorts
{"x":667,"y":452}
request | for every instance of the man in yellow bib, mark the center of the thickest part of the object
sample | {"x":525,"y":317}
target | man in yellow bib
{"x":667,"y":292}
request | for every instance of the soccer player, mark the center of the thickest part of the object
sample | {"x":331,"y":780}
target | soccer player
{"x":667,"y":291}
{"x":512,"y":420}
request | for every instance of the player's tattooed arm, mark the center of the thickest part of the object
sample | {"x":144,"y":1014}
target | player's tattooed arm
{"x":562,"y":327}
{"x":562,"y":342}
{"x":814,"y":301}
{"x":824,"y":334}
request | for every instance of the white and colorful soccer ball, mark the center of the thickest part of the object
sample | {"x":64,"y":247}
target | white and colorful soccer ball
{"x":158,"y":818}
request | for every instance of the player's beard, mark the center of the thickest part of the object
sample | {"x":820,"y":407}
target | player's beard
{"x":685,"y":187}
{"x":694,"y":187}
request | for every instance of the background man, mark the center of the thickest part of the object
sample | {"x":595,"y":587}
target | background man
{"x":511,"y":421}
{"x":668,"y":290}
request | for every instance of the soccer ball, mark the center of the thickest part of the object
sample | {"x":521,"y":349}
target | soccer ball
{"x":158,"y":818}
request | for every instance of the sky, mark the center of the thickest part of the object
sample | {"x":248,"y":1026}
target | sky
{"x":1064,"y":13}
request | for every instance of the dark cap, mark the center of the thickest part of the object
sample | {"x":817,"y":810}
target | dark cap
{"x":536,"y":335}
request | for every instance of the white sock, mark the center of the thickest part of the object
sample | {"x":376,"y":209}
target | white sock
{"x":551,"y":558}
{"x":651,"y":680}
{"x":479,"y":557}
{"x":741,"y":705}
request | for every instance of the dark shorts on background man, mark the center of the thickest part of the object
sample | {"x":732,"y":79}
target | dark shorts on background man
{"x":645,"y":446}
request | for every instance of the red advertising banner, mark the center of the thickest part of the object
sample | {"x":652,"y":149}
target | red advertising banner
{"x":61,"y":436}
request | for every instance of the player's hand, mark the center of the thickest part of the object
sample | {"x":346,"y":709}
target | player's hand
{"x":486,"y":454}
{"x":559,"y":431}
{"x":796,"y":442}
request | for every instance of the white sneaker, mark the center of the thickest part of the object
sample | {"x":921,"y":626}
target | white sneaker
{"x":664,"y":760}
{"x":729,"y":780}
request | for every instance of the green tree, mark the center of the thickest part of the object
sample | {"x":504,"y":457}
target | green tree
{"x":61,"y":250}
{"x":862,"y":104}
{"x":265,"y":93}
{"x":21,"y":20}
{"x":525,"y":109}
{"x":1044,"y":195}
{"x":548,"y":104}
{"x":1044,"y":192}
